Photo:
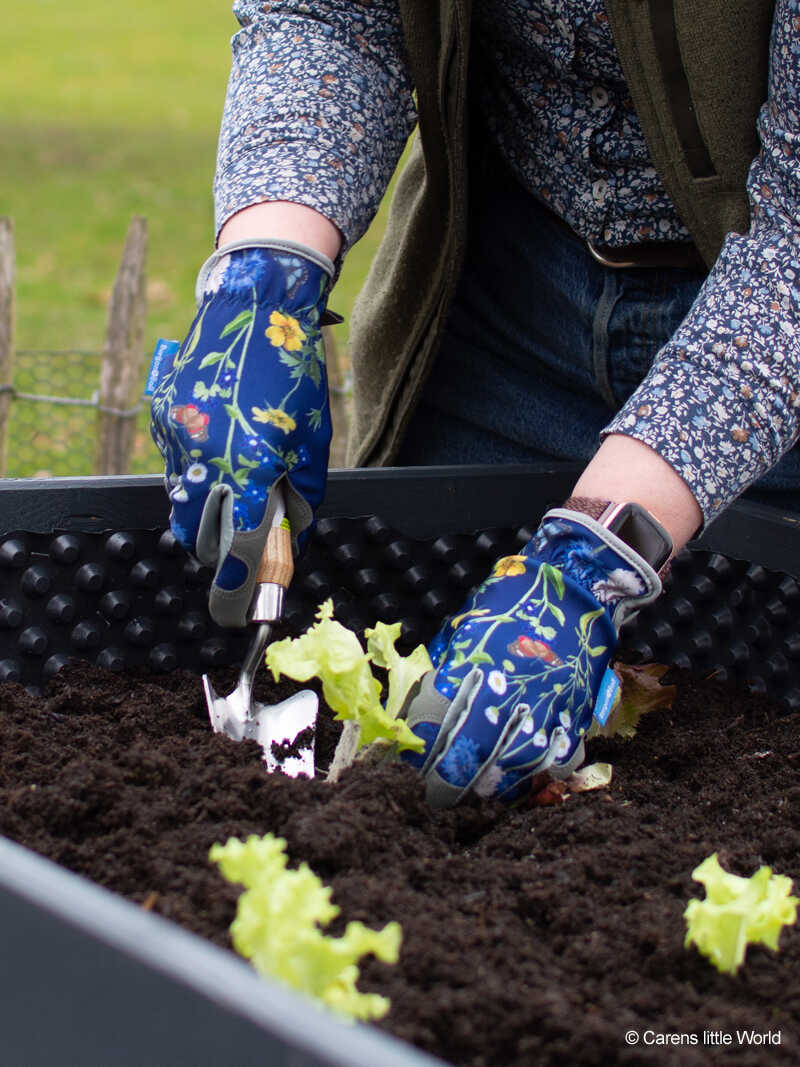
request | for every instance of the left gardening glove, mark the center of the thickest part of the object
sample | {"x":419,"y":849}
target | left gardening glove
{"x":243,"y":407}
{"x":518,"y":670}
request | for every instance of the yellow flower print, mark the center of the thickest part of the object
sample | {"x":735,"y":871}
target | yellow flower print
{"x":276,"y":417}
{"x":285,"y":332}
{"x":509,"y":565}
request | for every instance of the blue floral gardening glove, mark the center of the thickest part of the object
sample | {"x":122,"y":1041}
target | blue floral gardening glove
{"x":517,"y":672}
{"x":245,"y":404}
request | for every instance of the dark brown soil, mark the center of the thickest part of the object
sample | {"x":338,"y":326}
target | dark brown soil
{"x":533,"y":936}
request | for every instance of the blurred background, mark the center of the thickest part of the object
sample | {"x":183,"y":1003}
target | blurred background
{"x":107,"y":112}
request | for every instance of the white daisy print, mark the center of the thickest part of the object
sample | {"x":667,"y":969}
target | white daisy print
{"x":196,"y":472}
{"x":620,"y":582}
{"x":497,"y":682}
{"x":560,"y":743}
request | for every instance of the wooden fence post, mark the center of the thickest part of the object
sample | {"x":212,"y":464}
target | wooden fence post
{"x":339,"y":393}
{"x":7,"y":285}
{"x":121,"y":372}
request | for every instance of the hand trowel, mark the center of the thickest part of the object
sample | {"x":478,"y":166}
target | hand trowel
{"x":274,"y":726}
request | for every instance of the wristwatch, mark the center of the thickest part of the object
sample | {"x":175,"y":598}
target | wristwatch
{"x":632,"y":524}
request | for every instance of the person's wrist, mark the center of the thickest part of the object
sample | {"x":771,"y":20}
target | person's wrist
{"x":627,"y":470}
{"x":283,"y":220}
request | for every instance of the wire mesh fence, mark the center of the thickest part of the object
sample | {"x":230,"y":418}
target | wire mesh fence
{"x":54,"y":414}
{"x":75,"y":412}
{"x":53,"y":418}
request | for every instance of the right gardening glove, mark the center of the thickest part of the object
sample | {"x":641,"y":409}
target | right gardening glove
{"x":517,"y":671}
{"x":243,"y":407}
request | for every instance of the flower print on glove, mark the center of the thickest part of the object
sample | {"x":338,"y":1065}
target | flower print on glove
{"x":517,"y":671}
{"x":245,"y":404}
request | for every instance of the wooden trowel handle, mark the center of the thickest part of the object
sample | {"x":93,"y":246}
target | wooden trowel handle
{"x":276,"y":567}
{"x":277,"y":563}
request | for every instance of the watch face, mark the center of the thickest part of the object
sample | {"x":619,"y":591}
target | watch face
{"x":637,"y":528}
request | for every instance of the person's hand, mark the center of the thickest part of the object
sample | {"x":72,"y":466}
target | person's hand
{"x":517,"y":672}
{"x":244,"y":405}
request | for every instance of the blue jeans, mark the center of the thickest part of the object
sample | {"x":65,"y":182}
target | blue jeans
{"x":543,"y":344}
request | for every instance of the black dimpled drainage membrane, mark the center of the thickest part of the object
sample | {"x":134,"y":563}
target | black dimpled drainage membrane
{"x":134,"y":598}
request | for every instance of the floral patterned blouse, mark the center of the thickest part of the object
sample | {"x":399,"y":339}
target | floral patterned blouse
{"x":320,"y":105}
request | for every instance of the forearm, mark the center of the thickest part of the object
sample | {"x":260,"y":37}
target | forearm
{"x":282,"y":220}
{"x":625,"y":470}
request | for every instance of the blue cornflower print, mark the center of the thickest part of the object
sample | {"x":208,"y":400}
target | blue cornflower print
{"x":245,"y":270}
{"x":460,"y":765}
{"x":248,"y":508}
{"x":182,"y":535}
{"x":579,"y":559}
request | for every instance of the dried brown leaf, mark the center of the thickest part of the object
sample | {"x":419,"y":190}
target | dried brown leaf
{"x":552,"y":793}
{"x":640,"y":691}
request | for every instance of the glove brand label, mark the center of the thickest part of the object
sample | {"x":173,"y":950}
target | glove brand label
{"x":164,"y":350}
{"x":606,"y":696}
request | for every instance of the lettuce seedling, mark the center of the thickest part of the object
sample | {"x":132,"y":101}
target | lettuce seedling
{"x":737,"y":912}
{"x":332,"y":653}
{"x":277,"y":927}
{"x":403,"y":671}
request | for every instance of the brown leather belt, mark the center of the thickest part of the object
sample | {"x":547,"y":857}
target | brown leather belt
{"x":667,"y":255}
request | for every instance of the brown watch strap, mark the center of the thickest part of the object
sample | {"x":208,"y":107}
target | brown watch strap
{"x":587,"y":505}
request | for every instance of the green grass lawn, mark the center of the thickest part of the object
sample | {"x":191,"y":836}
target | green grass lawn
{"x":109,"y":110}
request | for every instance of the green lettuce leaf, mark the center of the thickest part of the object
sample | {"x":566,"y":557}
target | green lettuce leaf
{"x":737,"y":912}
{"x":404,"y":671}
{"x":277,"y":927}
{"x":332,"y":653}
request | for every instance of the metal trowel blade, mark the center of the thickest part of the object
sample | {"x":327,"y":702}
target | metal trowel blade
{"x":270,"y":725}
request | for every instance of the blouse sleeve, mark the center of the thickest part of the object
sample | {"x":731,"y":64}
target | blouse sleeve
{"x":318,"y":108}
{"x":721,"y":402}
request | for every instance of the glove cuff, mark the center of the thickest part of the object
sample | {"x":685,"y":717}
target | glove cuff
{"x":274,"y":245}
{"x":624,"y":593}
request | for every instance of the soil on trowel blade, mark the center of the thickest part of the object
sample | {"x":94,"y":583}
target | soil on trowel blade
{"x":540,"y":935}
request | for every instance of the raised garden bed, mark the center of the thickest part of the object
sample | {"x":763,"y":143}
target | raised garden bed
{"x":539,"y":935}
